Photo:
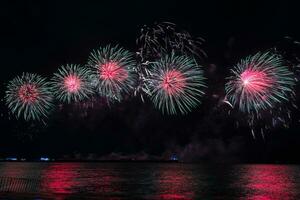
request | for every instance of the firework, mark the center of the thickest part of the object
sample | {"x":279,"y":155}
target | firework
{"x":158,"y":40}
{"x":163,"y":38}
{"x":71,"y":83}
{"x":261,"y":88}
{"x":113,"y":71}
{"x":176,"y":84}
{"x":260,"y":82}
{"x":29,"y":96}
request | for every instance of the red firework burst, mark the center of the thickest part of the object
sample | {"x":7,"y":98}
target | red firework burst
{"x":255,"y":81}
{"x":112,"y":71}
{"x":173,"y":82}
{"x":72,"y":83}
{"x":28,"y":93}
{"x":260,"y":82}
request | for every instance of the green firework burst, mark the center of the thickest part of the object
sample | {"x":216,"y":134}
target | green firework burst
{"x":113,"y":71}
{"x":175,"y":83}
{"x":29,"y":96}
{"x":72,"y":83}
{"x":260,"y":82}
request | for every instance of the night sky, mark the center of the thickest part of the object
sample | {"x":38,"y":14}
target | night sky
{"x":39,"y":36}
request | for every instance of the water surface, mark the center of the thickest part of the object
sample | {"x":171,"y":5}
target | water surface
{"x":157,"y":181}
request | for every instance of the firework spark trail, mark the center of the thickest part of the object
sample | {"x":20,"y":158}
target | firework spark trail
{"x":262,"y":88}
{"x":176,"y":84}
{"x":158,"y":40}
{"x":113,"y":71}
{"x":71,"y":83}
{"x":29,"y":96}
{"x":165,"y":37}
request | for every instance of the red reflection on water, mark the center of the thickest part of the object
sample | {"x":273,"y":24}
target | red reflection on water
{"x":60,"y":179}
{"x":174,"y":183}
{"x":68,"y":180}
{"x":269,"y":182}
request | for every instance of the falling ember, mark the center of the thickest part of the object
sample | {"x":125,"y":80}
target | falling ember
{"x":161,"y":38}
{"x":173,"y":82}
{"x":72,"y":83}
{"x":112,"y":71}
{"x":28,"y":93}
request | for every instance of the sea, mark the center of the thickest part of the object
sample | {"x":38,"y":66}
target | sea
{"x":150,"y":181}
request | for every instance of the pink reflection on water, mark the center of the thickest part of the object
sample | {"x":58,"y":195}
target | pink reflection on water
{"x":68,"y":180}
{"x":60,"y":179}
{"x":269,"y":182}
{"x":174,"y":183}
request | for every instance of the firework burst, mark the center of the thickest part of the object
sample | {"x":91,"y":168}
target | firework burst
{"x":29,"y":96}
{"x":113,"y":71}
{"x":262,"y":89}
{"x":158,"y":40}
{"x":176,"y":84}
{"x":71,"y":83}
{"x":260,"y":82}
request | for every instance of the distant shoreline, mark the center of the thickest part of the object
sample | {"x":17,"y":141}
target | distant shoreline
{"x":146,"y":161}
{"x":95,"y":161}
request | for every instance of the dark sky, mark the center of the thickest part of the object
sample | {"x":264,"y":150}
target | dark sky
{"x":39,"y":36}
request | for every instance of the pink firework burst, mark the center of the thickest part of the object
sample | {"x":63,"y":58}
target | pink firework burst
{"x":112,"y":71}
{"x":29,"y":96}
{"x":260,"y":82}
{"x":173,"y":82}
{"x":72,"y":83}
{"x":255,"y":82}
{"x":28,"y":93}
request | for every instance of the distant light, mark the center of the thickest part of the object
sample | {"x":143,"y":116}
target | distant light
{"x":11,"y":159}
{"x":174,"y":157}
{"x":44,"y":159}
